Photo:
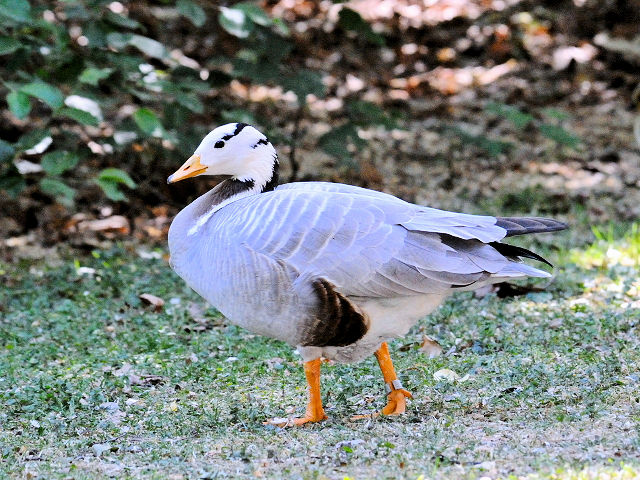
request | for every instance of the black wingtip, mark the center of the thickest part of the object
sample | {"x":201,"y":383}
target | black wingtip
{"x":524,"y":225}
{"x":513,"y":251}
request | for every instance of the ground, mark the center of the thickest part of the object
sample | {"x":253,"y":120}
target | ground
{"x":96,"y":383}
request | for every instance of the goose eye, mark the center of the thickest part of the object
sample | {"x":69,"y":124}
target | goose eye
{"x":219,"y":144}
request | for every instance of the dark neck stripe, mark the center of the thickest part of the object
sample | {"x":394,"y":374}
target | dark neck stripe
{"x":230,"y":188}
{"x":244,"y":184}
{"x":221,"y":192}
{"x":238,"y":129}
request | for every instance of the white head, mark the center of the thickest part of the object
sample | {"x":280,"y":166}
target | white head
{"x":234,"y":149}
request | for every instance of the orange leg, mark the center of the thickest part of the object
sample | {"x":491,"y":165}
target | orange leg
{"x":315,"y":412}
{"x":396,"y":395}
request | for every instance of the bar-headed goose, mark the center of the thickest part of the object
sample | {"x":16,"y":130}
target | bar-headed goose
{"x":332,"y":269}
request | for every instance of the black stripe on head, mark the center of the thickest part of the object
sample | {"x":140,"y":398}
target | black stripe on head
{"x":239,"y":127}
{"x":262,"y":141}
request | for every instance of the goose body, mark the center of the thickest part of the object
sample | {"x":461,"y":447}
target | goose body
{"x":334,"y":270}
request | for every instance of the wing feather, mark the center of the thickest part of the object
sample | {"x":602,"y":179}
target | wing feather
{"x":427,"y":251}
{"x":367,"y":243}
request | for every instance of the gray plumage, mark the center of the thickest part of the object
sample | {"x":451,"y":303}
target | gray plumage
{"x":258,"y":257}
{"x":523,"y":225}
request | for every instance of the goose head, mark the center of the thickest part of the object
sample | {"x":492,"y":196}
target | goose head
{"x":237,"y":150}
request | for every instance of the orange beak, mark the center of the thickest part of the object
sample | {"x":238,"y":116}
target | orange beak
{"x":190,"y":168}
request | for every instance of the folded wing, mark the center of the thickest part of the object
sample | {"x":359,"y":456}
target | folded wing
{"x":371,"y":244}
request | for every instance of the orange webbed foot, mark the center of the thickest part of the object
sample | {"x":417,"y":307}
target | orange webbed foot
{"x":295,"y":421}
{"x":396,"y":402}
{"x":396,"y":405}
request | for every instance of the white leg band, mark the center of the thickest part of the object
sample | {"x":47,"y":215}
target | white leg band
{"x":393,"y":385}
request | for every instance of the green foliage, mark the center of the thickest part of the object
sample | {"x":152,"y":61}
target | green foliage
{"x":254,"y":13}
{"x":340,"y":141}
{"x":365,"y":114}
{"x":110,"y":180}
{"x":33,"y":138}
{"x":553,"y":131}
{"x":352,"y":21}
{"x":493,"y":147}
{"x":8,"y":45}
{"x":49,"y":94}
{"x":556,"y":114}
{"x":58,"y":162}
{"x":93,"y":76}
{"x":559,"y":135}
{"x":236,"y":22}
{"x":148,"y":122}
{"x":19,"y":104}
{"x":343,"y":140}
{"x":303,"y":83}
{"x":513,"y":114}
{"x":78,"y":115}
{"x":57,"y":189}
{"x":87,"y":77}
{"x":521,"y":121}
{"x":239,"y":115}
{"x":47,"y":68}
{"x":17,"y":10}
{"x":6,"y":151}
{"x":192,"y":11}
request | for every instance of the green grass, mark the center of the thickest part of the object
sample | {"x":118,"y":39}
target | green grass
{"x":95,"y":384}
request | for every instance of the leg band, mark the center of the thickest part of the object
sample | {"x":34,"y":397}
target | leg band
{"x":393,"y":385}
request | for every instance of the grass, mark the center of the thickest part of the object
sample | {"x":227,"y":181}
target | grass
{"x":95,"y":384}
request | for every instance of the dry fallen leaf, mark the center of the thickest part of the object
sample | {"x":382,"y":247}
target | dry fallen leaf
{"x":100,"y":448}
{"x":138,"y":379}
{"x":113,"y":224}
{"x":152,"y":300}
{"x":430,"y":347}
{"x":556,"y":323}
{"x":197,"y":312}
{"x":447,"y":375}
